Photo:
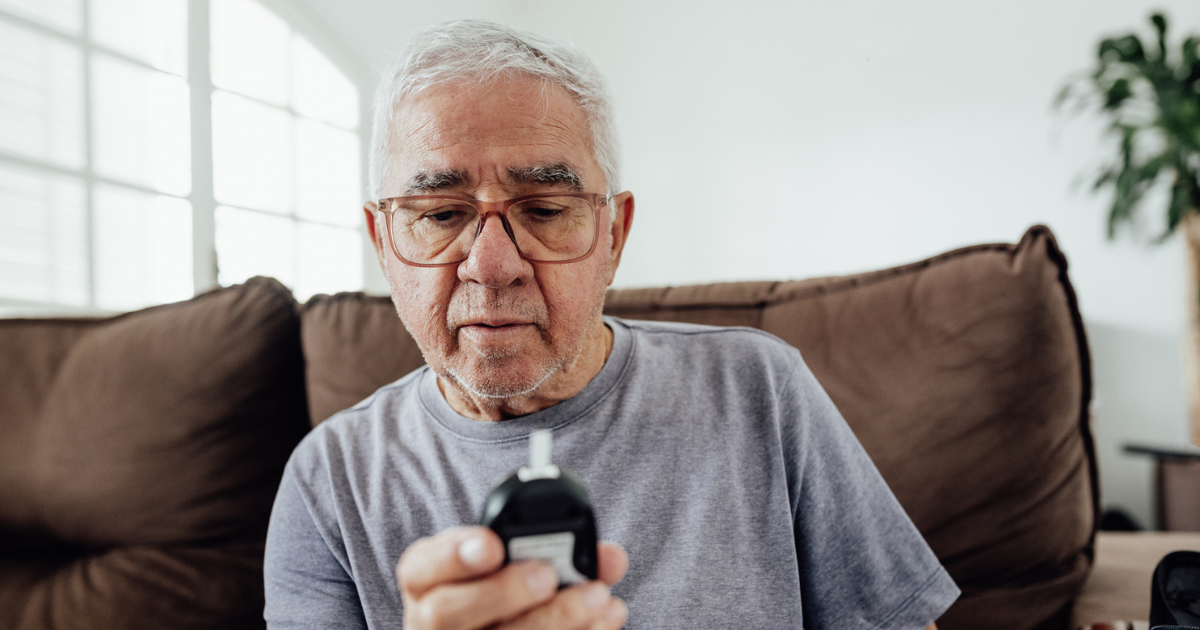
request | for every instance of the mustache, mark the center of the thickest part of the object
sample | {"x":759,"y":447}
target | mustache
{"x":470,"y":303}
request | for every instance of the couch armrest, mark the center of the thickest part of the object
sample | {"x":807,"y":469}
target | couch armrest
{"x":1119,"y":585}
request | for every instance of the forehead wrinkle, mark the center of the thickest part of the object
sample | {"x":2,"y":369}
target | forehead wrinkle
{"x":443,"y":133}
{"x":436,"y":131}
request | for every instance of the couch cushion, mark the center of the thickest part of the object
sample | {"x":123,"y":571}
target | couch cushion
{"x":353,"y":345}
{"x":141,"y":457}
{"x":966,"y":377}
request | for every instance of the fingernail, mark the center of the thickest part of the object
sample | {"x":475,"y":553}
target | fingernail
{"x":542,"y":579}
{"x":473,"y":552}
{"x":595,"y":594}
{"x":616,"y":611}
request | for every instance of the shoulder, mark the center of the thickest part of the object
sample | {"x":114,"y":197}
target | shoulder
{"x":723,"y":364}
{"x":736,"y":345}
{"x":349,"y":438}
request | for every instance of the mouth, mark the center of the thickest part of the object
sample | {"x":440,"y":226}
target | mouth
{"x":496,"y":324}
{"x":495,"y":333}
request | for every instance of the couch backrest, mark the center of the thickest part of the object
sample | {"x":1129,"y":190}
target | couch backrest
{"x":139,"y":459}
{"x":965,"y":376}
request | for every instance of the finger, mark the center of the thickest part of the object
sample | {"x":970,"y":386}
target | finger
{"x":450,"y":556}
{"x":579,"y":607}
{"x":615,"y":615}
{"x":508,"y":593}
{"x":613,"y":562}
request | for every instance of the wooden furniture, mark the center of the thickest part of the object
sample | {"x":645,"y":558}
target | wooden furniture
{"x":1177,"y":471}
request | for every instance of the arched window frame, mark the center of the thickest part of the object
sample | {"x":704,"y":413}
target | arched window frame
{"x":200,"y":92}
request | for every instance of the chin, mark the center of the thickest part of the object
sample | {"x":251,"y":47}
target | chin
{"x":498,"y":385}
{"x":500,"y":381}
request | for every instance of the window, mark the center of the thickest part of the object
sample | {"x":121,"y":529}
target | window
{"x":285,"y":155}
{"x":105,"y":203}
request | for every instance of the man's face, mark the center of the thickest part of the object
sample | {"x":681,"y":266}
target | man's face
{"x":497,"y":325}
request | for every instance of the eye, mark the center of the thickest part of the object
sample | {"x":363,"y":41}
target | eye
{"x":542,"y":212}
{"x":550,"y":210}
{"x":446,"y":215}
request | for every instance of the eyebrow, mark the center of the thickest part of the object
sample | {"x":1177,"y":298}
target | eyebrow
{"x":428,"y":182}
{"x":559,"y":174}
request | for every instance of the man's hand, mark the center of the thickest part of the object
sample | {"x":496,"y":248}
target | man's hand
{"x":454,"y":581}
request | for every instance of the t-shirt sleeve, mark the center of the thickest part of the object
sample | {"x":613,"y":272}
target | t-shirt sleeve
{"x":306,"y":585}
{"x":863,"y":564}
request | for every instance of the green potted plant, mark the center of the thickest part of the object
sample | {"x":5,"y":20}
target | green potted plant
{"x":1149,"y":95}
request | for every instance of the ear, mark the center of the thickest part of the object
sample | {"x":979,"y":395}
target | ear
{"x":621,"y":208}
{"x":371,"y":214}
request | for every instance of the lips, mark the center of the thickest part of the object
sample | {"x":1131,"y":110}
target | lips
{"x":495,"y":334}
{"x":496,"y":323}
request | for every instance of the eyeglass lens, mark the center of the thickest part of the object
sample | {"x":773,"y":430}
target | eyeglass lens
{"x":441,"y":230}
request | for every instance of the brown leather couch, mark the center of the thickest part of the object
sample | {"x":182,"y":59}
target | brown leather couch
{"x":139,"y":454}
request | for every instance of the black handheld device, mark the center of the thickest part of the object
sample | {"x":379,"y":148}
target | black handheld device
{"x":543,"y":513}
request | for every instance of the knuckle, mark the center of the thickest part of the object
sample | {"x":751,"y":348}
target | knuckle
{"x":404,"y":570}
{"x":517,"y":586}
{"x":430,"y":616}
{"x":409,"y":568}
{"x":570,"y":611}
{"x":617,"y":614}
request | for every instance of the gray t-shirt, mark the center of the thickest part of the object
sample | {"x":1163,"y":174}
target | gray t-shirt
{"x":710,"y":454}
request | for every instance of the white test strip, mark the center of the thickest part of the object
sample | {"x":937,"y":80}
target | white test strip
{"x":539,"y":467}
{"x":539,"y":449}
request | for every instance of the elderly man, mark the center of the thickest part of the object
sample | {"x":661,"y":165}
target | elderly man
{"x":733,"y":491}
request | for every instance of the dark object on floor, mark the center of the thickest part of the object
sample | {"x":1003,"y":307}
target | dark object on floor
{"x":1118,"y":520}
{"x":1175,"y":592}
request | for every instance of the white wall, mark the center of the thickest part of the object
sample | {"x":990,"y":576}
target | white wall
{"x":788,"y":140}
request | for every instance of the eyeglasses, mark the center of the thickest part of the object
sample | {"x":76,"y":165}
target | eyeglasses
{"x":439,"y":230}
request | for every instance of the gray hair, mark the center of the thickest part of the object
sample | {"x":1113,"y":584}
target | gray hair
{"x":482,"y":51}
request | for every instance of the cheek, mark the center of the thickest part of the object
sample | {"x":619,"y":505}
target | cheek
{"x":421,"y":297}
{"x":574,"y":293}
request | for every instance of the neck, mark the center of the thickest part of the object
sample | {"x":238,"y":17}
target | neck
{"x":560,"y":386}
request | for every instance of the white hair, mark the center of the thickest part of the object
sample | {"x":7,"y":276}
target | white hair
{"x":482,"y":51}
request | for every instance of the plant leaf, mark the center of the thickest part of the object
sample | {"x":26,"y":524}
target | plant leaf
{"x":1127,"y":49}
{"x":1117,"y":93}
{"x":1181,"y":201}
{"x":1160,"y":25}
{"x":1106,"y":177}
{"x":1151,"y":102}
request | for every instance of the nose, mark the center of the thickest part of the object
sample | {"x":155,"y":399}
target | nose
{"x":494,"y":260}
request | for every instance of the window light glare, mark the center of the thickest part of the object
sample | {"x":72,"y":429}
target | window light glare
{"x":249,"y":50}
{"x":143,"y":248}
{"x":152,"y":31}
{"x":41,"y":97}
{"x":331,"y":260}
{"x":60,"y":15}
{"x":255,"y":244}
{"x":327,"y":174}
{"x":294,"y":154}
{"x":96,"y":133}
{"x":141,"y":129}
{"x":252,"y":154}
{"x":319,"y":89}
{"x":43,"y":237}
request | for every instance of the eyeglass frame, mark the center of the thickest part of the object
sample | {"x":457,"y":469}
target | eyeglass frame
{"x":500,"y":208}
